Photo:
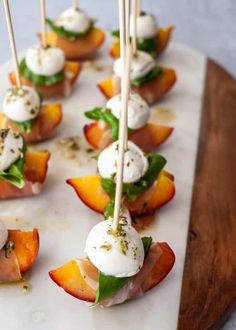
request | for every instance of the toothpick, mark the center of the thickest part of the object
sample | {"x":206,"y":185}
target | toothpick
{"x":12,"y":42}
{"x":122,"y":28}
{"x":43,"y":24}
{"x":138,"y":7}
{"x":127,"y":22}
{"x":75,"y":4}
{"x":122,"y":137}
{"x":127,"y":42}
{"x":134,"y":36}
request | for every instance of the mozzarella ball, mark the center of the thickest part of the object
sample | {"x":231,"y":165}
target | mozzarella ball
{"x":141,"y":64}
{"x":11,"y":147}
{"x":45,"y":61}
{"x":21,"y":104}
{"x":138,"y":110}
{"x":135,"y":162}
{"x":73,"y":20}
{"x":120,"y":253}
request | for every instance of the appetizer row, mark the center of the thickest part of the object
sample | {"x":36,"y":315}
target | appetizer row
{"x":120,"y":265}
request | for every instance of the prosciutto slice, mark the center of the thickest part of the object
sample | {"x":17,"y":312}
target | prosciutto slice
{"x":9,"y":267}
{"x":134,"y":288}
{"x":7,"y":190}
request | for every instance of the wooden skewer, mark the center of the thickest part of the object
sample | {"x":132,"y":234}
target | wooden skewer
{"x":43,"y":24}
{"x":127,"y":69}
{"x":75,"y":4}
{"x":122,"y":29}
{"x":122,"y":137}
{"x":12,"y":42}
{"x":138,"y":7}
{"x":127,"y":22}
{"x":134,"y":36}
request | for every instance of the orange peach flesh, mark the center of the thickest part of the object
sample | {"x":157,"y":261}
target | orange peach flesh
{"x":147,"y":138}
{"x":163,"y":37}
{"x":71,"y":280}
{"x":44,"y":126}
{"x":152,"y":91}
{"x":90,"y":191}
{"x":72,"y":70}
{"x":26,"y":247}
{"x":78,"y":49}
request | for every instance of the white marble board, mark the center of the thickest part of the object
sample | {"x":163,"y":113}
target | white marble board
{"x":64,"y":222}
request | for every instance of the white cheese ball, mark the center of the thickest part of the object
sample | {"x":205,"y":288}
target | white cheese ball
{"x":45,"y":61}
{"x":73,"y":20}
{"x":135,"y":162}
{"x":141,"y":64}
{"x":21,"y":104}
{"x":146,"y":26}
{"x":119,"y":254}
{"x":11,"y":146}
{"x":3,"y":234}
{"x":138,"y":110}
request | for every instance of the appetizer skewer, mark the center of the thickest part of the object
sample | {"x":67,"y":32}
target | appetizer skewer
{"x":23,"y":110}
{"x":74,"y":32}
{"x":151,"y":187}
{"x":18,"y":252}
{"x":22,"y":172}
{"x":104,"y":130}
{"x":46,"y":69}
{"x":120,"y":265}
{"x":24,"y":113}
{"x":148,"y":80}
{"x":150,"y":38}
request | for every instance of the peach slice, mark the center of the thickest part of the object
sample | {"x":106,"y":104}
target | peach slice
{"x":44,"y":126}
{"x":91,"y":193}
{"x":72,"y":70}
{"x":163,"y":37}
{"x":78,"y":49}
{"x":71,"y":280}
{"x":69,"y":277}
{"x":36,"y":164}
{"x":26,"y":247}
{"x":152,"y":91}
{"x":147,"y":138}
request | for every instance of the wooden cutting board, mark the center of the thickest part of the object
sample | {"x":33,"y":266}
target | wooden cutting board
{"x":209,"y":283}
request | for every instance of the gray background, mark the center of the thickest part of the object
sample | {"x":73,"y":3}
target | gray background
{"x":208,"y":25}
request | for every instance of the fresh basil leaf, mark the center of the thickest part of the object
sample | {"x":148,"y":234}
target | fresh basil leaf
{"x":107,"y":117}
{"x":109,"y":210}
{"x":154,"y":73}
{"x":134,"y":190}
{"x":40,"y":80}
{"x":147,"y":242}
{"x":109,"y":187}
{"x":116,"y":34}
{"x":25,"y":126}
{"x":59,"y":30}
{"x":147,"y":45}
{"x":109,"y":285}
{"x":40,"y":96}
{"x":15,"y":173}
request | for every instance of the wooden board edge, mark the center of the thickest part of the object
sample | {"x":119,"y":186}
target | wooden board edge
{"x":209,"y":281}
